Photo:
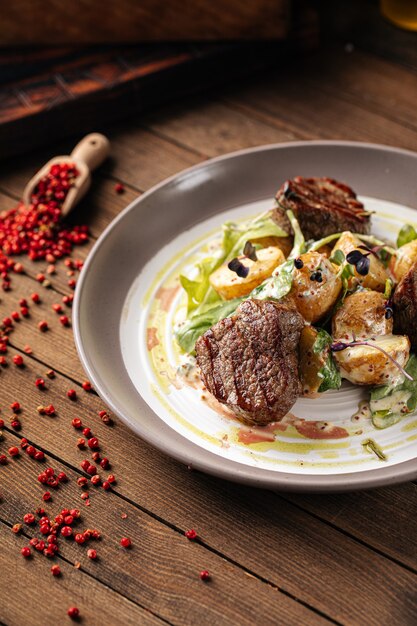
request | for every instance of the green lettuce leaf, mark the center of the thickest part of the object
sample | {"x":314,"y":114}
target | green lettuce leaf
{"x":386,"y":402}
{"x":329,"y":373}
{"x":407,"y":233}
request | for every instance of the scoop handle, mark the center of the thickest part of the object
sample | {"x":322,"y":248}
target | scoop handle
{"x":92,"y":150}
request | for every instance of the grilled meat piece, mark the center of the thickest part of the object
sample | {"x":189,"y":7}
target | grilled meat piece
{"x":249,"y":361}
{"x":405,"y":306}
{"x":322,"y":206}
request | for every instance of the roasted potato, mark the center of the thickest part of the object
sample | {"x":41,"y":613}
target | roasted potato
{"x":405,"y":257}
{"x":314,"y":299}
{"x":229,"y":285}
{"x":283,"y":243}
{"x":377,"y":275}
{"x":366,"y":365}
{"x":362,"y":315}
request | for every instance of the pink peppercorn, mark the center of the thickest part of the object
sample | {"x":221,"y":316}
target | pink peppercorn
{"x":205,"y":575}
{"x":191,"y":534}
{"x":66,"y":531}
{"x":55,"y":570}
{"x":1,"y":423}
{"x":93,"y":443}
{"x":92,"y":554}
{"x":73,"y":612}
{"x":29,"y":518}
{"x":62,"y":477}
{"x":15,"y":407}
{"x":64,"y":320}
{"x":18,"y":360}
{"x":81,"y":443}
{"x":82,"y":481}
{"x":86,"y":386}
{"x":111,"y":479}
{"x":40,"y":383}
{"x":77,"y":423}
{"x":125,"y":542}
{"x":3,"y":459}
{"x":87,"y":432}
{"x":96,"y":480}
{"x":72,"y":394}
{"x":14,"y":451}
{"x":92,"y":470}
{"x":24,"y":311}
{"x":72,"y":283}
{"x":39,"y":455}
{"x":85,"y":464}
{"x":15,"y":316}
{"x":35,"y":298}
{"x":26,"y":552}
{"x":104,"y":463}
{"x":47,"y":496}
{"x":79,"y":538}
{"x":43,"y":326}
{"x":106,"y":485}
{"x":57,"y":308}
{"x":119,"y":188}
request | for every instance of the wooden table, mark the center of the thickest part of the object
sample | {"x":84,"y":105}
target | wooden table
{"x":273,"y":558}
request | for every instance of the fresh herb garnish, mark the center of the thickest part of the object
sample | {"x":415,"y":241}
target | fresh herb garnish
{"x":236,"y":266}
{"x":250,"y":251}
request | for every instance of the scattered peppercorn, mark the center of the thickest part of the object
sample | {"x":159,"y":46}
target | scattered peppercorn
{"x":86,"y":386}
{"x":43,"y":326}
{"x":55,"y":570}
{"x":73,"y":612}
{"x":205,"y":575}
{"x":18,"y":360}
{"x":119,"y":188}
{"x":72,"y":394}
{"x":125,"y":542}
{"x":14,"y":451}
{"x":40,"y":383}
{"x":191,"y":534}
{"x":26,"y":552}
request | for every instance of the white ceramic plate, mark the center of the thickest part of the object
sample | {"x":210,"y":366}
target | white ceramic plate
{"x":128,"y":301}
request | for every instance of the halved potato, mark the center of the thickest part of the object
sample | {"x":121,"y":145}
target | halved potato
{"x":362,"y":315}
{"x":310,"y":363}
{"x":366,"y":365}
{"x":405,"y":257}
{"x":314,"y":299}
{"x":229,"y":285}
{"x":377,"y":275}
{"x":283,"y":243}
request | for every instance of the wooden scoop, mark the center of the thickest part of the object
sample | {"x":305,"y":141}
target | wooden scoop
{"x":87,"y":155}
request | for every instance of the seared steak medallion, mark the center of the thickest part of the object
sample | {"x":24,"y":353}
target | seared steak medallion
{"x":405,"y":306}
{"x":249,"y":361}
{"x":322,"y":206}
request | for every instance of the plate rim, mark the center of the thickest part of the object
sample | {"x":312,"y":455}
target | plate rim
{"x":211,"y":463}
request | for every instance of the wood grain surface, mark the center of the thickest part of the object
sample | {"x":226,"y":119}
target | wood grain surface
{"x":89,"y":21}
{"x":273,"y":558}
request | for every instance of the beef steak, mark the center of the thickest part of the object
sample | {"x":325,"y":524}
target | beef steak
{"x":322,"y":206}
{"x":249,"y":361}
{"x":405,"y":306}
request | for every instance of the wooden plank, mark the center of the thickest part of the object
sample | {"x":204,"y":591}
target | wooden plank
{"x":212,"y":127}
{"x":149,"y":20}
{"x":32,"y":581}
{"x":290,"y":99}
{"x":285,"y":546}
{"x":161,"y":570}
{"x":385,"y":518}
